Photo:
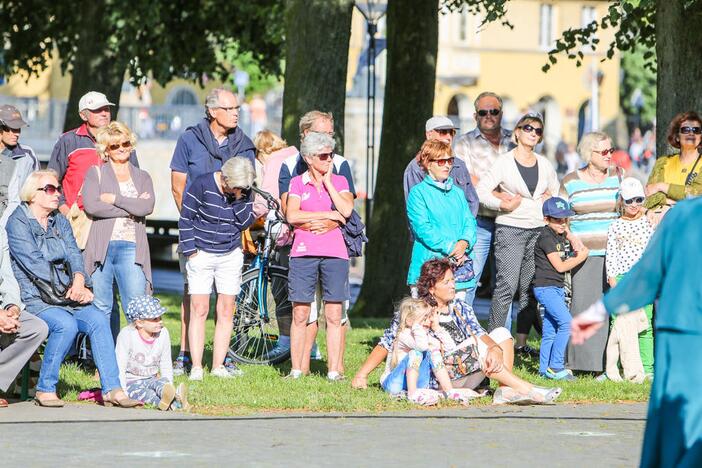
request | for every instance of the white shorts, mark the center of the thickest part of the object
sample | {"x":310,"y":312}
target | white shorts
{"x":222,"y":269}
{"x":498,"y":335}
{"x":318,"y":304}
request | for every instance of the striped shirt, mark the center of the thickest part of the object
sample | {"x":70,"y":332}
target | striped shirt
{"x":595,"y":209}
{"x":210,"y":220}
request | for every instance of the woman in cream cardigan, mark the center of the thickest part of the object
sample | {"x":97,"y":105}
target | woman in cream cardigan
{"x":522,"y":180}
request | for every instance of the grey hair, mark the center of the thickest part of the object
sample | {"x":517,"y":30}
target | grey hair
{"x":212,"y":100}
{"x":238,"y":172}
{"x":307,"y":120}
{"x":587,"y":142}
{"x":315,"y":143}
{"x":487,"y":94}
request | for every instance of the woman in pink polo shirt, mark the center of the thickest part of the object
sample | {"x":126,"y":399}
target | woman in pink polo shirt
{"x":318,"y":194}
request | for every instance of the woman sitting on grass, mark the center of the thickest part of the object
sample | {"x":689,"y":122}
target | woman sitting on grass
{"x":495,"y":351}
{"x":416,"y":355}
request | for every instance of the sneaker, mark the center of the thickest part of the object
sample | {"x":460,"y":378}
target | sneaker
{"x":601,"y":378}
{"x":527,"y":351}
{"x":182,"y":365}
{"x":196,"y":373}
{"x":167,"y":396}
{"x":222,"y":372}
{"x":563,"y":374}
{"x":335,"y":377}
{"x":278,"y":351}
{"x":181,"y":397}
{"x":461,"y":395}
{"x":294,"y":374}
{"x":425,"y":397}
{"x":232,"y":368}
{"x":315,"y":354}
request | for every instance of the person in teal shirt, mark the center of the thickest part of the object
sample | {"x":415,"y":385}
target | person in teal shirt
{"x":440,"y":219}
{"x":666,"y":272}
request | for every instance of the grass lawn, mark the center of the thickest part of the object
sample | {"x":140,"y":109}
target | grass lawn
{"x":262,"y":388}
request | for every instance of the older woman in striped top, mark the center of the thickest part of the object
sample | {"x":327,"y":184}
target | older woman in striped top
{"x":592,"y":192}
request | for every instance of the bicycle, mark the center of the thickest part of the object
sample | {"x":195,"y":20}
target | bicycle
{"x":263,"y":290}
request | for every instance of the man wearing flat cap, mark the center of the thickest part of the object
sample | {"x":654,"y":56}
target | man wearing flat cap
{"x":16,"y":161}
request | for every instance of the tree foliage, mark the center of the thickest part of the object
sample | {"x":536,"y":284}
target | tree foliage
{"x":160,"y":39}
{"x":637,"y":79}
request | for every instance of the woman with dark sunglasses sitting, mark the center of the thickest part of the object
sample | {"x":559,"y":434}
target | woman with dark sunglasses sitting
{"x":440,"y":218}
{"x":592,"y":192}
{"x":675,"y":177}
{"x":527,"y":179}
{"x":54,"y":286}
{"x":118,"y":196}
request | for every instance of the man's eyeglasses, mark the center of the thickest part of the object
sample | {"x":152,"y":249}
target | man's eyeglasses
{"x":528,"y":128}
{"x":444,"y":162}
{"x":688,"y":130}
{"x":116,"y":146}
{"x":634,"y":201}
{"x":604,"y":152}
{"x":50,"y":189}
{"x":234,"y":110}
{"x":325,"y":156}
{"x":485,"y":112}
{"x":445,"y":131}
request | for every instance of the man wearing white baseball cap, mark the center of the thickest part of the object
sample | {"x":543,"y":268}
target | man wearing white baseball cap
{"x":74,"y":152}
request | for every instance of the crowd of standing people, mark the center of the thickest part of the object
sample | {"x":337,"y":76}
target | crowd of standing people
{"x":74,"y":248}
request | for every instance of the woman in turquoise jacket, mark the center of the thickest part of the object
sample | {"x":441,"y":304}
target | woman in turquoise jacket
{"x":439,"y":216}
{"x":667,"y":272}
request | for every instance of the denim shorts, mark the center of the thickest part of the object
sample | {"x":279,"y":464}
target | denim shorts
{"x":305,"y":272}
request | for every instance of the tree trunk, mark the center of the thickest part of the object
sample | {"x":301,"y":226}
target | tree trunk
{"x":412,"y":30}
{"x":316,"y":60}
{"x":678,"y":40}
{"x":96,"y":66}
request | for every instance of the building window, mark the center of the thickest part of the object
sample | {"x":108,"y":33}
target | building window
{"x":183,"y":97}
{"x":546,"y":26}
{"x":463,"y":26}
{"x":587,"y":15}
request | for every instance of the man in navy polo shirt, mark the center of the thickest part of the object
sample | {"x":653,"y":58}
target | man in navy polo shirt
{"x":201,"y":149}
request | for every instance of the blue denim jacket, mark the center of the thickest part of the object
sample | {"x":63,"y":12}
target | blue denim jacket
{"x":34,"y":248}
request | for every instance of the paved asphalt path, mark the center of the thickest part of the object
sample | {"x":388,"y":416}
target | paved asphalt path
{"x":558,"y":435}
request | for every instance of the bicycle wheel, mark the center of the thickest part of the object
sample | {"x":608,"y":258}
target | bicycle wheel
{"x":256,"y":330}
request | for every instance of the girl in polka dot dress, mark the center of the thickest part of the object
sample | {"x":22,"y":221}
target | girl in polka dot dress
{"x":631,"y":338}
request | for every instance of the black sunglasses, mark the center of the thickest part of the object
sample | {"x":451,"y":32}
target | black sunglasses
{"x":493,"y":112}
{"x":635,"y":200}
{"x":324,"y":156}
{"x":49,"y":189}
{"x":688,"y":130}
{"x":528,"y":128}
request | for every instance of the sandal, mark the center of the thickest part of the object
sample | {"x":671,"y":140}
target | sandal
{"x":3,"y":403}
{"x":461,"y":395}
{"x":425,"y":397}
{"x":50,"y":402}
{"x":507,"y":396}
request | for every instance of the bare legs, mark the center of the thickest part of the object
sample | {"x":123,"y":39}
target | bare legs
{"x":199,"y":309}
{"x":302,"y":336}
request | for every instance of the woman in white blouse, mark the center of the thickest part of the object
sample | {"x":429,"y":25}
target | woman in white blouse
{"x":524,"y":179}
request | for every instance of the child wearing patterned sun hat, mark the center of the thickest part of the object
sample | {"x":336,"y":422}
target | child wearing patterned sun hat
{"x":144,"y":357}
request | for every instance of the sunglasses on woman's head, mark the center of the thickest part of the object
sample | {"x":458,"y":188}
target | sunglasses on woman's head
{"x":444,"y":162}
{"x":528,"y":128}
{"x":635,"y":200}
{"x":485,"y":112}
{"x":50,"y":189}
{"x":604,"y":152}
{"x":324,"y":156}
{"x":688,"y":130}
{"x":116,"y":146}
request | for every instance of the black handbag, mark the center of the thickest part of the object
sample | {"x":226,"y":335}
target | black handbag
{"x":53,"y":292}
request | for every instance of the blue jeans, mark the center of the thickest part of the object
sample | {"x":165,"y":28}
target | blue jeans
{"x":556,"y":328}
{"x":119,"y":265}
{"x":481,"y":250}
{"x":63,"y":328}
{"x":396,"y":381}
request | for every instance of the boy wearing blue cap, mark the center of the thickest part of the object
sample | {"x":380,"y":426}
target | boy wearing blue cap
{"x":557,"y":251}
{"x":143,"y":352}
